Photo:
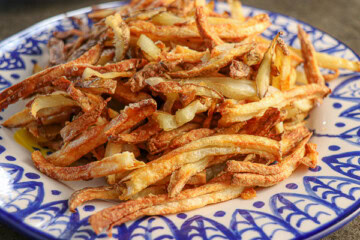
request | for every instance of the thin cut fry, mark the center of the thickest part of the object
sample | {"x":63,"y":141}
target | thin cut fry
{"x":122,"y":35}
{"x":210,"y":38}
{"x":100,"y":222}
{"x":311,"y":68}
{"x":279,"y":99}
{"x":91,"y":193}
{"x":110,"y":165}
{"x":225,"y":144}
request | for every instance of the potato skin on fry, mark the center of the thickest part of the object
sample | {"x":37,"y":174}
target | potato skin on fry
{"x":91,"y":193}
{"x":110,"y":165}
{"x":311,"y":67}
{"x":130,"y":116}
{"x":209,"y":146}
{"x":84,"y":143}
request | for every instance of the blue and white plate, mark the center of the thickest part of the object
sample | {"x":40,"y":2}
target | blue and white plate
{"x":310,"y":204}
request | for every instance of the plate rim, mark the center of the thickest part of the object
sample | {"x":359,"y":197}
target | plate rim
{"x":27,"y":230}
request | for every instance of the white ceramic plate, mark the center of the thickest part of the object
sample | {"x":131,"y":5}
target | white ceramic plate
{"x":310,"y":204}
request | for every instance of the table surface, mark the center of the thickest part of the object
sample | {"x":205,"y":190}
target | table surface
{"x":338,"y":18}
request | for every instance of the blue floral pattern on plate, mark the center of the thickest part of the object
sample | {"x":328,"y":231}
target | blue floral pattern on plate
{"x":312,"y":203}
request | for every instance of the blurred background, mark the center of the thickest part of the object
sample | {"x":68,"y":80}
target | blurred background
{"x":338,"y":18}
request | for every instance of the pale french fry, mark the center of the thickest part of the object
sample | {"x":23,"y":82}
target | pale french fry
{"x":51,"y":101}
{"x":230,"y":88}
{"x":149,"y":47}
{"x":264,"y":73}
{"x":236,"y":10}
{"x":122,"y":35}
{"x":332,"y":62}
{"x":279,"y":99}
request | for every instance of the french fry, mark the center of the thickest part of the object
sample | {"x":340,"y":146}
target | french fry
{"x":99,"y":222}
{"x":122,"y":35}
{"x":19,"y":119}
{"x":139,"y":135}
{"x":179,"y":178}
{"x":91,"y":193}
{"x":236,"y":10}
{"x":124,"y":95}
{"x":225,"y":144}
{"x":311,"y":67}
{"x":279,"y":99}
{"x":264,"y":73}
{"x":261,"y":178}
{"x":209,"y":37}
{"x":130,"y":116}
{"x":162,"y":140}
{"x":149,"y":47}
{"x":227,"y":31}
{"x":230,"y":88}
{"x":214,"y":64}
{"x":332,"y":62}
{"x":110,"y":165}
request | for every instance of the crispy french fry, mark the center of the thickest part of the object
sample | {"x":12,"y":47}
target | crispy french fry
{"x":214,"y":64}
{"x":180,"y":177}
{"x":279,"y":99}
{"x":227,"y":31}
{"x":99,"y":222}
{"x":264,"y":179}
{"x":264,"y":73}
{"x":209,"y":37}
{"x":194,"y":151}
{"x":122,"y":35}
{"x":91,"y":193}
{"x":110,"y":165}
{"x":311,"y":67}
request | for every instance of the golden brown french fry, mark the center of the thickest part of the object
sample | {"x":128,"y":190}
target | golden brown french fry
{"x":228,"y":31}
{"x":110,"y":165}
{"x":210,"y":38}
{"x":311,"y":67}
{"x":194,"y":151}
{"x":244,"y":112}
{"x":266,"y":176}
{"x":99,"y":222}
{"x":161,"y":141}
{"x":179,"y":178}
{"x":91,"y":193}
{"x":214,"y":64}
{"x":19,"y":119}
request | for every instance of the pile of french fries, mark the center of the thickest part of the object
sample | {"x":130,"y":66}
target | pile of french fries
{"x":176,"y":105}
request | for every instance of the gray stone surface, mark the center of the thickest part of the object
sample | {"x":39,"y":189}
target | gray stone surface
{"x":338,"y":18}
